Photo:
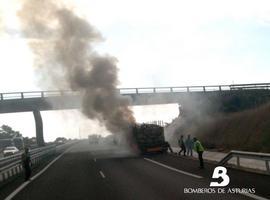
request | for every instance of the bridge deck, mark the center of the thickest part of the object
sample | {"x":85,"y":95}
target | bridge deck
{"x":53,"y":100}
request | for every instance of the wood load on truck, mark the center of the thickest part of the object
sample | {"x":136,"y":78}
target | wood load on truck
{"x":149,"y":138}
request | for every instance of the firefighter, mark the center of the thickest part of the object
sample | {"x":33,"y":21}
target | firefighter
{"x":199,"y":149}
{"x":181,"y":144}
{"x":26,"y":163}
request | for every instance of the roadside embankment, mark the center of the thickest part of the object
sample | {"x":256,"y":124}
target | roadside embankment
{"x":247,"y":130}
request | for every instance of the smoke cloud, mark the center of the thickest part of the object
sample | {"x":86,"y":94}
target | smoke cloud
{"x":62,"y":43}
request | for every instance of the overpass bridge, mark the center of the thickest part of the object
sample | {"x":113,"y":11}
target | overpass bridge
{"x":188,"y":96}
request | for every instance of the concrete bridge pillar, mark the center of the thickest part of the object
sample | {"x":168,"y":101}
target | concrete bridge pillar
{"x":39,"y":128}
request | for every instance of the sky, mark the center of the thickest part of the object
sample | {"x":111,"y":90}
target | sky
{"x":157,"y":43}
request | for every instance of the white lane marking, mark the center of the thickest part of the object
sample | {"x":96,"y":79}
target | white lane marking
{"x":22,"y":186}
{"x":95,"y":160}
{"x":17,"y":190}
{"x":253,"y":196}
{"x":173,"y":169}
{"x":102,"y":175}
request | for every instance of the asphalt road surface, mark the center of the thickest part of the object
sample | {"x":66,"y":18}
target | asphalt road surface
{"x":98,"y":172}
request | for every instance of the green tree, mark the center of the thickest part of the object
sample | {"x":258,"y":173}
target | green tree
{"x":7,"y":132}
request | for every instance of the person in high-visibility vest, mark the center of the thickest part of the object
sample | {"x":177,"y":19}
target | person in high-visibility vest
{"x":199,"y":149}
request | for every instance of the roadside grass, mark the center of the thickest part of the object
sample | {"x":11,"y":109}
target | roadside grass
{"x":247,"y":130}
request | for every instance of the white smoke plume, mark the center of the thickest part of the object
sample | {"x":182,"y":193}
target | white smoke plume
{"x":62,"y":43}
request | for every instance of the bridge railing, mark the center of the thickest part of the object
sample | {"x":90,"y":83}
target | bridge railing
{"x":12,"y":166}
{"x":208,"y":88}
{"x":265,"y":157}
{"x":252,"y":86}
{"x":35,"y":94}
{"x":142,"y":90}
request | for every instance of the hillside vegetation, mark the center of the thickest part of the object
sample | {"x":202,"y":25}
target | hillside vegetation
{"x":246,"y":130}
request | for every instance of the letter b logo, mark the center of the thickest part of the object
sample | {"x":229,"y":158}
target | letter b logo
{"x":220,"y":172}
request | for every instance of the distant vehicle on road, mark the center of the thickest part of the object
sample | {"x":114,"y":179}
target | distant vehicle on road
{"x":60,"y":140}
{"x":149,"y":138}
{"x":11,"y":150}
{"x":94,"y":139}
{"x":17,"y":142}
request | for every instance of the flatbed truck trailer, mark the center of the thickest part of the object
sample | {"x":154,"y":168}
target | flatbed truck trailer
{"x":149,"y":138}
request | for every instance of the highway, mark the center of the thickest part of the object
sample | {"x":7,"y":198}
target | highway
{"x":99,"y":172}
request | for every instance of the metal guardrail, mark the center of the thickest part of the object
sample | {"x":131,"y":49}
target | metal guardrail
{"x":142,"y":90}
{"x":249,"y":155}
{"x":10,"y":159}
{"x":11,"y":166}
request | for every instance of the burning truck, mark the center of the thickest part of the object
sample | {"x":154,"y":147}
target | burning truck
{"x":149,"y":138}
